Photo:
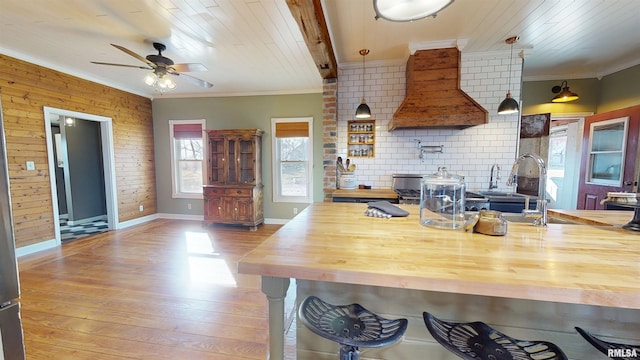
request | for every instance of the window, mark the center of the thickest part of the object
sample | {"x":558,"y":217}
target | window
{"x":607,"y":146}
{"x":187,"y":150}
{"x":292,"y":156}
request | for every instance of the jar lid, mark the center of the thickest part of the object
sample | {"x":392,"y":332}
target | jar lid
{"x":443,"y":177}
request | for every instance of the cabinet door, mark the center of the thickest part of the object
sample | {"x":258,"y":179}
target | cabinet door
{"x":246,"y":161}
{"x":244,"y":209}
{"x":214,"y":208}
{"x":217,"y":161}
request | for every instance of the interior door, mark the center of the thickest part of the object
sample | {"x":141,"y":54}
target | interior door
{"x":609,"y":154}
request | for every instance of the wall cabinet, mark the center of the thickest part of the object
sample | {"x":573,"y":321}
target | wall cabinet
{"x":233,"y":194}
{"x":361,"y":138}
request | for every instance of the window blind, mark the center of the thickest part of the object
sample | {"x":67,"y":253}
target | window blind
{"x":187,"y":131}
{"x":292,"y":129}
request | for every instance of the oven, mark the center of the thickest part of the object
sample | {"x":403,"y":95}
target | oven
{"x":407,"y":186}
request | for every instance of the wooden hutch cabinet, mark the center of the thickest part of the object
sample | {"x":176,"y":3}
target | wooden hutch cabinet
{"x":233,"y":194}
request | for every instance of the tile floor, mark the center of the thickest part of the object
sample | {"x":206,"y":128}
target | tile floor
{"x":73,"y":232}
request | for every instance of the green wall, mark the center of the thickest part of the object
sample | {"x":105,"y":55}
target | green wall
{"x":620,"y":90}
{"x":615,"y":91}
{"x":235,"y":113}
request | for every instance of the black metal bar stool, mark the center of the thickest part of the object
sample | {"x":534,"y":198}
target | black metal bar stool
{"x":477,"y":340}
{"x":351,"y":326}
{"x":611,"y":349}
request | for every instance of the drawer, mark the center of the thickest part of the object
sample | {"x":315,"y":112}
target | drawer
{"x":240,"y":192}
{"x":211,"y":191}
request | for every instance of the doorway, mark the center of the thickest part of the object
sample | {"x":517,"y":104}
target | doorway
{"x":100,"y":150}
{"x":557,"y":139}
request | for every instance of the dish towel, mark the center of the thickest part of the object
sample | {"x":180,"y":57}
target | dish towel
{"x":385,"y":209}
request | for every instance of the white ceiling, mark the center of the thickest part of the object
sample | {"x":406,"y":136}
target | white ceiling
{"x":255,"y":46}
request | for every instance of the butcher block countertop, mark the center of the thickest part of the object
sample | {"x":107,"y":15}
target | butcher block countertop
{"x":335,"y":242}
{"x":594,"y":217}
{"x":366,"y":193}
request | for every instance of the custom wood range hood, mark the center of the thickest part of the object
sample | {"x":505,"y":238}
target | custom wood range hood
{"x":434,"y":97}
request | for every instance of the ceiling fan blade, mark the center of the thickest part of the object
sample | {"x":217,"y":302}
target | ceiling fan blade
{"x":188,"y":67}
{"x":141,"y":58}
{"x":123,"y":65}
{"x":195,"y":81}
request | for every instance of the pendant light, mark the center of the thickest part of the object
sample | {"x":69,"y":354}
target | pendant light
{"x":363,"y":111}
{"x":509,"y":105}
{"x":565,"y":95}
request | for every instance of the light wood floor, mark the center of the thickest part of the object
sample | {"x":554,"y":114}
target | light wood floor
{"x":167,"y":289}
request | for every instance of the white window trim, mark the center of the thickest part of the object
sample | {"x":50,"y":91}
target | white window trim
{"x":276,"y":169}
{"x":174,"y":187}
{"x":623,"y":152}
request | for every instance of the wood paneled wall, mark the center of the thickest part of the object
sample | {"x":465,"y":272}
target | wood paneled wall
{"x":25,"y":89}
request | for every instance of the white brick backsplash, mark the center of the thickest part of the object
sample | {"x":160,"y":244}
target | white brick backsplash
{"x":469,"y":152}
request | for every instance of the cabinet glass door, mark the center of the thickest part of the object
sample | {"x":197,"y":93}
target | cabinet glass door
{"x":607,"y":147}
{"x":216,"y":161}
{"x":247,"y":161}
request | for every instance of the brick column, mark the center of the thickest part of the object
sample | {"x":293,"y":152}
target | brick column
{"x":330,"y":135}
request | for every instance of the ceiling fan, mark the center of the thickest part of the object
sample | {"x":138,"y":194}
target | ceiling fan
{"x":161,"y":66}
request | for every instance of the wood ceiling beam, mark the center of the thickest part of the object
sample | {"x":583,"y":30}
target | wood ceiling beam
{"x":310,"y":18}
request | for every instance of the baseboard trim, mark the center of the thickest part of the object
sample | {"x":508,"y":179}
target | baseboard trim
{"x":33,"y":248}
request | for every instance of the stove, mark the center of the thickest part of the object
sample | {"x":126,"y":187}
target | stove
{"x":407,"y":186}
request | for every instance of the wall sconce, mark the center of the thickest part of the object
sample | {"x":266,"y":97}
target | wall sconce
{"x":394,"y":10}
{"x":564,"y":94}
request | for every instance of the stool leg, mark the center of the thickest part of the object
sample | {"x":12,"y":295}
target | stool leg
{"x":349,"y":352}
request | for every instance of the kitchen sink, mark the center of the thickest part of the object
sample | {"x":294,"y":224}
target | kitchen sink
{"x":507,"y":202}
{"x":490,"y":194}
{"x":517,"y":217}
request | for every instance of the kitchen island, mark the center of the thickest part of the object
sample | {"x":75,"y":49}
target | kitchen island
{"x":532,"y":282}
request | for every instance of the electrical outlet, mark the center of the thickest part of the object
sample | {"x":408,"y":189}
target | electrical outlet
{"x":141,"y":208}
{"x":295,"y":211}
{"x":189,"y":206}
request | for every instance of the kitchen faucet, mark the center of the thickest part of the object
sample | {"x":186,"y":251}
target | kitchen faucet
{"x":540,"y":213}
{"x":494,"y":184}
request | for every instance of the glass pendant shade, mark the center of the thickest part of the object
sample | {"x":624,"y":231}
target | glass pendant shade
{"x":159,"y":80}
{"x":508,"y":106}
{"x":565,"y":95}
{"x":408,"y":10}
{"x":363,"y":111}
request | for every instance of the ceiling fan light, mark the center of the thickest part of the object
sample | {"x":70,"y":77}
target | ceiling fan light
{"x":508,"y":106}
{"x":408,"y":10}
{"x":150,"y":79}
{"x":165,"y":82}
